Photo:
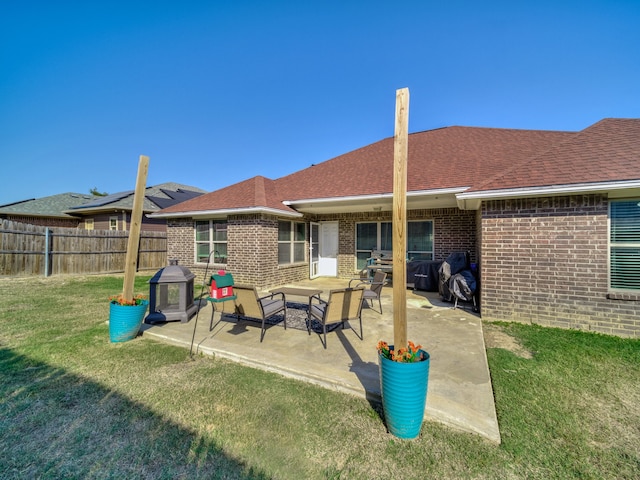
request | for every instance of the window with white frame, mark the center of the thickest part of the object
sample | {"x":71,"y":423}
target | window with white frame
{"x":113,"y":223}
{"x":378,"y":236}
{"x":420,"y":240}
{"x":211,"y":241}
{"x":291,"y":242}
{"x":624,"y":245}
{"x":88,"y":223}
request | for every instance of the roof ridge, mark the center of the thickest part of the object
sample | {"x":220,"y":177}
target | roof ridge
{"x":259,"y":191}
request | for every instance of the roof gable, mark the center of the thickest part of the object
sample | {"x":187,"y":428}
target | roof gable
{"x":253,"y":194}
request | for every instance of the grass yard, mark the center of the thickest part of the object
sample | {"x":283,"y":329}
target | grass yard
{"x":73,"y":405}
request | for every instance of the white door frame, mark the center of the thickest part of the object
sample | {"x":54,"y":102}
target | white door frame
{"x":328,"y":249}
{"x":314,"y":249}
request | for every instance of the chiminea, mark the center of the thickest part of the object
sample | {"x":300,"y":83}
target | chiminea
{"x":171,"y":295}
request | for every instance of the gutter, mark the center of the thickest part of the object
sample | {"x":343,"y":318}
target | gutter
{"x":379,"y":196}
{"x":472,"y":200}
{"x":225,"y":212}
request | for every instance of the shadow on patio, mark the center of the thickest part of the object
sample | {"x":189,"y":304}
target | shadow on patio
{"x":459,"y":392}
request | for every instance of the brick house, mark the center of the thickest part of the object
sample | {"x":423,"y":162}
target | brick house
{"x":551,"y":218}
{"x":95,"y":212}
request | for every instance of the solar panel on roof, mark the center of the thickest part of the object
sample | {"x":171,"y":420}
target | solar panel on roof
{"x":100,"y":201}
{"x":175,"y":197}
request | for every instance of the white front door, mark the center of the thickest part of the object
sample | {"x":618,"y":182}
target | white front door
{"x":328,"y":250}
{"x":314,"y":250}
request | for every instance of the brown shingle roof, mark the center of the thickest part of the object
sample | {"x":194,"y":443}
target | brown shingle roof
{"x":451,"y":157}
{"x":444,"y":158}
{"x":607,"y":151}
{"x":254,"y":193}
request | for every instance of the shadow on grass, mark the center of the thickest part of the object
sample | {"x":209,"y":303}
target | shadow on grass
{"x":367,"y":373}
{"x":60,"y":425}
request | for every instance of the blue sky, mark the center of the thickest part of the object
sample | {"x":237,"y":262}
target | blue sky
{"x":215,"y":92}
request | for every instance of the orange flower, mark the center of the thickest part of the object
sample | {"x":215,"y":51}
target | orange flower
{"x":118,"y":299}
{"x":412,"y":353}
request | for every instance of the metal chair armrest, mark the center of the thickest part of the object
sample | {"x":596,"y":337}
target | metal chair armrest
{"x":271,"y":295}
{"x":317,"y":297}
{"x":362,"y":281}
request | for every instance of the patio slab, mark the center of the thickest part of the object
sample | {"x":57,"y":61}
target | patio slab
{"x":459,"y":395}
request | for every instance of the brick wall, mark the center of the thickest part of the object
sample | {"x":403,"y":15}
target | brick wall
{"x":180,"y":241}
{"x":253,"y":243}
{"x":545,"y":261}
{"x":454,"y":231}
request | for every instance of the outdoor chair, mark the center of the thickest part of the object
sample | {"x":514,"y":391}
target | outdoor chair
{"x":344,"y":304}
{"x":249,"y":304}
{"x":375,"y":288}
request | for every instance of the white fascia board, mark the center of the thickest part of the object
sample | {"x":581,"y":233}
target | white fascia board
{"x":226,"y":213}
{"x":353,"y":198}
{"x":550,"y":190}
{"x":379,"y":196}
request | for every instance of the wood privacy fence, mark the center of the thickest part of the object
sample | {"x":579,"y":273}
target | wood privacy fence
{"x":35,"y":250}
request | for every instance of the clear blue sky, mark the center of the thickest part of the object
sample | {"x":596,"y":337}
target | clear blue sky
{"x":215,"y":92}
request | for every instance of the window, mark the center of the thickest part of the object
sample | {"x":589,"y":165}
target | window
{"x":211,"y":241}
{"x":624,"y":245}
{"x":113,"y":223}
{"x":378,"y":236}
{"x":420,"y":240}
{"x":88,"y":224}
{"x":371,"y":236}
{"x":291,"y":242}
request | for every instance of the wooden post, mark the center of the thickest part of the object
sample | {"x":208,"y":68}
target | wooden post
{"x":131,"y":261}
{"x":400,"y":154}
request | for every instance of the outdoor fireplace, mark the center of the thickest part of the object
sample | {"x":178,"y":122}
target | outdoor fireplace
{"x":171,"y":295}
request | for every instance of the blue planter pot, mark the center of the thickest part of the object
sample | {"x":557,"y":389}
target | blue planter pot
{"x":404,"y":395}
{"x":125,"y":320}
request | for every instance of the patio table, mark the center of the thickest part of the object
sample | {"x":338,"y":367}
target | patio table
{"x":300,"y":292}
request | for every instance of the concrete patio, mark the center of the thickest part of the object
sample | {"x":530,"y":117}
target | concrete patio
{"x":459,"y":395}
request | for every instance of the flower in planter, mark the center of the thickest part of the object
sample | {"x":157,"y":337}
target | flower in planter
{"x":411,"y":354}
{"x":119,"y":300}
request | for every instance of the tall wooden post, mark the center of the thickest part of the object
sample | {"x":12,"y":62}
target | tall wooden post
{"x":400,"y":154}
{"x":131,"y":261}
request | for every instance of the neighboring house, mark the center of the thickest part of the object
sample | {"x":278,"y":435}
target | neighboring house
{"x":551,"y":218}
{"x":93,"y":212}
{"x":113,"y":212}
{"x":46,"y":211}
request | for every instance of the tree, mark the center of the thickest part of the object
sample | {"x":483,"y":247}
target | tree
{"x":94,"y":191}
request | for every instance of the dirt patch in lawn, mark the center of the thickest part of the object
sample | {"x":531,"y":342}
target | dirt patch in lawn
{"x":495,"y":337}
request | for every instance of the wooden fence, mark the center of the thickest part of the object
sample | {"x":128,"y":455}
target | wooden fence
{"x":35,"y":250}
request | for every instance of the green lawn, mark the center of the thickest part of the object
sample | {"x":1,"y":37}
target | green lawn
{"x":73,"y":405}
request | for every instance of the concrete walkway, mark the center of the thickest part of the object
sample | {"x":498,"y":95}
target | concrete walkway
{"x":459,"y":394}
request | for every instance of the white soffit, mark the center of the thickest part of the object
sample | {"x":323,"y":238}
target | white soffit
{"x":472,"y":200}
{"x":223,"y":213}
{"x":441,"y":198}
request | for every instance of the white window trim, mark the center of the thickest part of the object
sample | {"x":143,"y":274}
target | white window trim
{"x":210,"y":241}
{"x":293,"y":242}
{"x":379,"y":233}
{"x":432,"y":252}
{"x":611,"y":245}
